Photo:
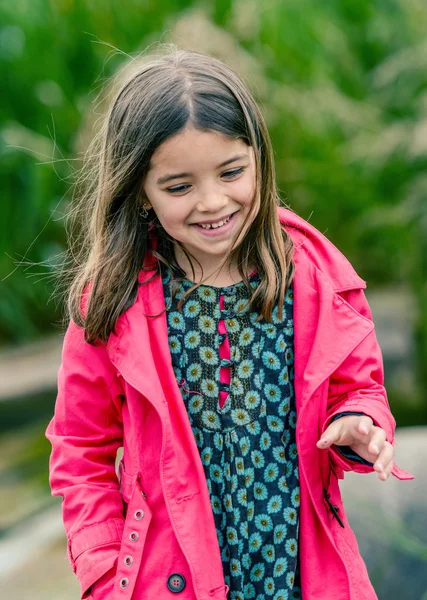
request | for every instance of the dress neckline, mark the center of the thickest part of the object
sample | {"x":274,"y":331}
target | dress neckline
{"x":221,"y":287}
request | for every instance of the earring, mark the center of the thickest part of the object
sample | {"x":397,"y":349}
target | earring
{"x":144,"y":212}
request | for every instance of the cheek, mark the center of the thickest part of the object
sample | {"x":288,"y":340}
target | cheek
{"x":246,"y":193}
{"x":171,"y":218}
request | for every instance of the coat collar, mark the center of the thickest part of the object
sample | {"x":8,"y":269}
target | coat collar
{"x":311,"y":244}
{"x":326,"y":327}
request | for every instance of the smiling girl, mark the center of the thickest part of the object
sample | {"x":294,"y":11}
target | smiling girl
{"x":227,"y":345}
{"x":202,"y":201}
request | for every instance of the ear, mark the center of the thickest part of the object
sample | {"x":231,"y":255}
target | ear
{"x":144,"y":200}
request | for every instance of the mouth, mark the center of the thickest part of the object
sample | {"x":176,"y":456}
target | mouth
{"x":215,"y":224}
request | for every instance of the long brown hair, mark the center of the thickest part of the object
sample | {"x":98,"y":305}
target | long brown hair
{"x":160,"y":97}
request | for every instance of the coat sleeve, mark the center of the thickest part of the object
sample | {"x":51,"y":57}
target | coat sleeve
{"x":358,"y":386}
{"x":86,"y":432}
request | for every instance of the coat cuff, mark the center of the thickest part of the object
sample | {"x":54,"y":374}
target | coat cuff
{"x":93,"y":551}
{"x":103,"y":588}
{"x":92,"y":576}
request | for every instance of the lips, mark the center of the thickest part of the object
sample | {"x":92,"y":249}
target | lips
{"x":213,"y":229}
{"x":215,"y":224}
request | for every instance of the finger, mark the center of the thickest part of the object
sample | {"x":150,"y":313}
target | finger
{"x":387,"y":472}
{"x":365,"y":425}
{"x":384,"y":458}
{"x":377,"y":440}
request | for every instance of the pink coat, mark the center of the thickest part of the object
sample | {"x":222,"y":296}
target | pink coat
{"x":154,"y":518}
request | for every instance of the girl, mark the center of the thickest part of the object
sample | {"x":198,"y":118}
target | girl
{"x":227,"y":345}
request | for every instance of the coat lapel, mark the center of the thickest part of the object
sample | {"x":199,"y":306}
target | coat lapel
{"x":140,"y":350}
{"x":131,"y":348}
{"x":326,"y":328}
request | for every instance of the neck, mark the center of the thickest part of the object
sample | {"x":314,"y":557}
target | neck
{"x":210,"y":275}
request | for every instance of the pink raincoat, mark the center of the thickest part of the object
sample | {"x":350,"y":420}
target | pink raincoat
{"x":152,"y":521}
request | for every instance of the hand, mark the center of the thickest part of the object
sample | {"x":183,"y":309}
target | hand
{"x":364,"y":438}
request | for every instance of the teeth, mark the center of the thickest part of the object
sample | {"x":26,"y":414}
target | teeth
{"x":216,"y":225}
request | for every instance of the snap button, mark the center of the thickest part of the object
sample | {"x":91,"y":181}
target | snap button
{"x":134,"y":536}
{"x":124,"y":582}
{"x":176,"y":583}
{"x":138,"y":514}
{"x":128,"y":560}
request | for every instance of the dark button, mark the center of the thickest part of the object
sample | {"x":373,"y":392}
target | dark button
{"x":176,"y":583}
{"x":225,"y":362}
{"x":230,"y":290}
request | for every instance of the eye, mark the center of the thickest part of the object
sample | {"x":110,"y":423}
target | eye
{"x":177,"y":189}
{"x":231,"y":174}
{"x":184,"y":187}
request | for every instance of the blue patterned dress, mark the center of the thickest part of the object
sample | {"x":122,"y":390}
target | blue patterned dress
{"x":243,"y":415}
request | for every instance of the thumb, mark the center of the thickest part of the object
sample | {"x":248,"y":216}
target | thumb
{"x":330,"y":435}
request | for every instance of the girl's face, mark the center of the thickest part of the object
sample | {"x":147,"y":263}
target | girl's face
{"x":201,"y":185}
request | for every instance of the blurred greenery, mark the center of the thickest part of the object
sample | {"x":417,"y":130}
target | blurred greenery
{"x":343,"y":85}
{"x":24,"y":486}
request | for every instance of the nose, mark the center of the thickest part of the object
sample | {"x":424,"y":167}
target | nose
{"x":211,"y":201}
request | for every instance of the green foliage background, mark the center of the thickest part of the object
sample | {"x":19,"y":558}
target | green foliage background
{"x":343,"y":85}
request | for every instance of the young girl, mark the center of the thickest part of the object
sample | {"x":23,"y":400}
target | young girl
{"x":227,"y":345}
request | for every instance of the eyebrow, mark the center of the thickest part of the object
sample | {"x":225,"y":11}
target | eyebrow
{"x":166,"y":178}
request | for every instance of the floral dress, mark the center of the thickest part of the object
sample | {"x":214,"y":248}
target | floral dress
{"x":236,"y":379}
